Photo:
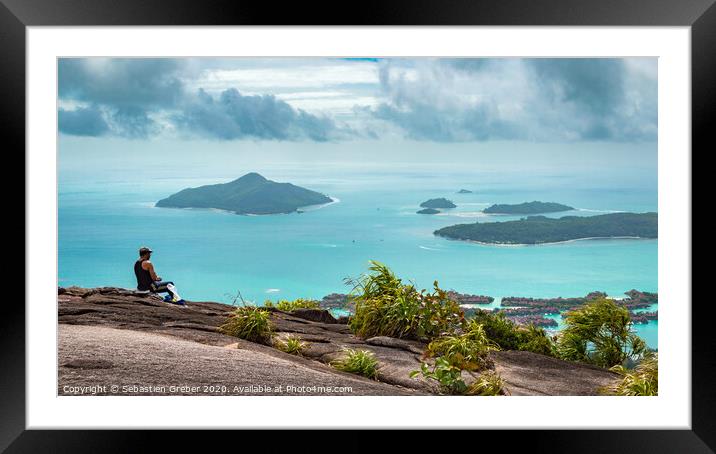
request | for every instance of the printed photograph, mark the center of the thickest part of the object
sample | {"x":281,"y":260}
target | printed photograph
{"x":357,"y":226}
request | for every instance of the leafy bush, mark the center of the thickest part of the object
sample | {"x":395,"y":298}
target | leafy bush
{"x":361,"y":362}
{"x":300,"y":303}
{"x":487,"y":384}
{"x":249,"y":322}
{"x":449,"y":377}
{"x":535,"y":339}
{"x":291,"y":344}
{"x":599,"y":333}
{"x":641,"y":381}
{"x":466,"y":351}
{"x":510,"y":336}
{"x":384,"y":306}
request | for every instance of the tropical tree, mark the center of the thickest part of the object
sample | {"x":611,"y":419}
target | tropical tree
{"x":599,"y":333}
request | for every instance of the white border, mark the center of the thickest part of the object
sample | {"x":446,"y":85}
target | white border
{"x":671,"y":409}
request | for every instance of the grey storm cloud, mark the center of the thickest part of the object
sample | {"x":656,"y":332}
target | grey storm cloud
{"x":423,"y":121}
{"x":596,"y":85}
{"x":443,"y":100}
{"x":553,"y":99}
{"x":85,"y":121}
{"x":233,"y":116}
{"x":129,"y":82}
{"x":125,"y":94}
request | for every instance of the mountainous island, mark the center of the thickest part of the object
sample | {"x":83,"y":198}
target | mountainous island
{"x":428,"y":211}
{"x":527,"y":208}
{"x":250,"y":194}
{"x":541,"y":229}
{"x":438,"y":203}
{"x":464,"y":191}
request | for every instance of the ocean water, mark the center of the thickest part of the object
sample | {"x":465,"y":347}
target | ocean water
{"x":104,"y":216}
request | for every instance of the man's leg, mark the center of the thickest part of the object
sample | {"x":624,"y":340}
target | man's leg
{"x":163,"y":287}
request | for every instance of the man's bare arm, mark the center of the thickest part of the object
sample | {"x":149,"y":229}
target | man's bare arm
{"x":147,"y":265}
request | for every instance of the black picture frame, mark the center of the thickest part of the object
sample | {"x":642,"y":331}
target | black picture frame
{"x":700,"y":15}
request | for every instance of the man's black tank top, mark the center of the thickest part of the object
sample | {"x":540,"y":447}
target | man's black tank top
{"x":144,"y":279}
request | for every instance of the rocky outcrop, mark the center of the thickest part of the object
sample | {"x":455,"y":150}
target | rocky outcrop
{"x":126,"y":338}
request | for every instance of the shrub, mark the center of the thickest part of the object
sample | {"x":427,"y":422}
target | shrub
{"x":599,"y":333}
{"x":361,"y":362}
{"x":384,"y":306}
{"x":291,"y":344}
{"x":300,"y":303}
{"x":467,"y":351}
{"x":510,"y":336}
{"x":250,"y":323}
{"x":535,"y":339}
{"x":497,"y":328}
{"x":641,"y":381}
{"x":449,"y":377}
{"x":487,"y":384}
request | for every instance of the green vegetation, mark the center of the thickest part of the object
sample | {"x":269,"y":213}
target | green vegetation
{"x":455,"y":353}
{"x":250,"y":194}
{"x":540,"y":229}
{"x":507,"y":335}
{"x":384,"y":306}
{"x":466,"y":351}
{"x":428,"y":211}
{"x":300,"y":303}
{"x":599,"y":333}
{"x":250,"y":323}
{"x":527,"y":208}
{"x":438,"y":203}
{"x":361,"y":362}
{"x":641,"y":381}
{"x":487,"y":384}
{"x":291,"y":344}
{"x":449,"y":378}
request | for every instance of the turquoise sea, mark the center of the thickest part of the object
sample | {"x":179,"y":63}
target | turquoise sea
{"x":105,"y":215}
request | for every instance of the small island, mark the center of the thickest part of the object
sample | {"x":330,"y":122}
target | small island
{"x":428,"y":211}
{"x":541,"y":229}
{"x":464,"y":191}
{"x":250,"y":194}
{"x":527,"y":208}
{"x":438,"y":203}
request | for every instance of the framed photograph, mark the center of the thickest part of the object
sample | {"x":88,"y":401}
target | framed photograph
{"x":465,"y":213}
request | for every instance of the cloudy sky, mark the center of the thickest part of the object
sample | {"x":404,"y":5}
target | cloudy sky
{"x":341,"y":100}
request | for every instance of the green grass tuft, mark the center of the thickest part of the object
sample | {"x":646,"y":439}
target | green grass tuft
{"x":384,"y":306}
{"x":250,"y":323}
{"x":643,"y":380}
{"x":361,"y":362}
{"x":487,"y":384}
{"x":291,"y":344}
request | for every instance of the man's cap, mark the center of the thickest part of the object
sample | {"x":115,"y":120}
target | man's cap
{"x":143,"y":250}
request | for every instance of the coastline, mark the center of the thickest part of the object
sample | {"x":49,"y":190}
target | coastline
{"x":483,"y":243}
{"x":221,"y":210}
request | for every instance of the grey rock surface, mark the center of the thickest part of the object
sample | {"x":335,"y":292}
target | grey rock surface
{"x":119,"y":336}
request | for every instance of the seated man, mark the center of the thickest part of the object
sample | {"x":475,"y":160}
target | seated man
{"x":147,"y":279}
